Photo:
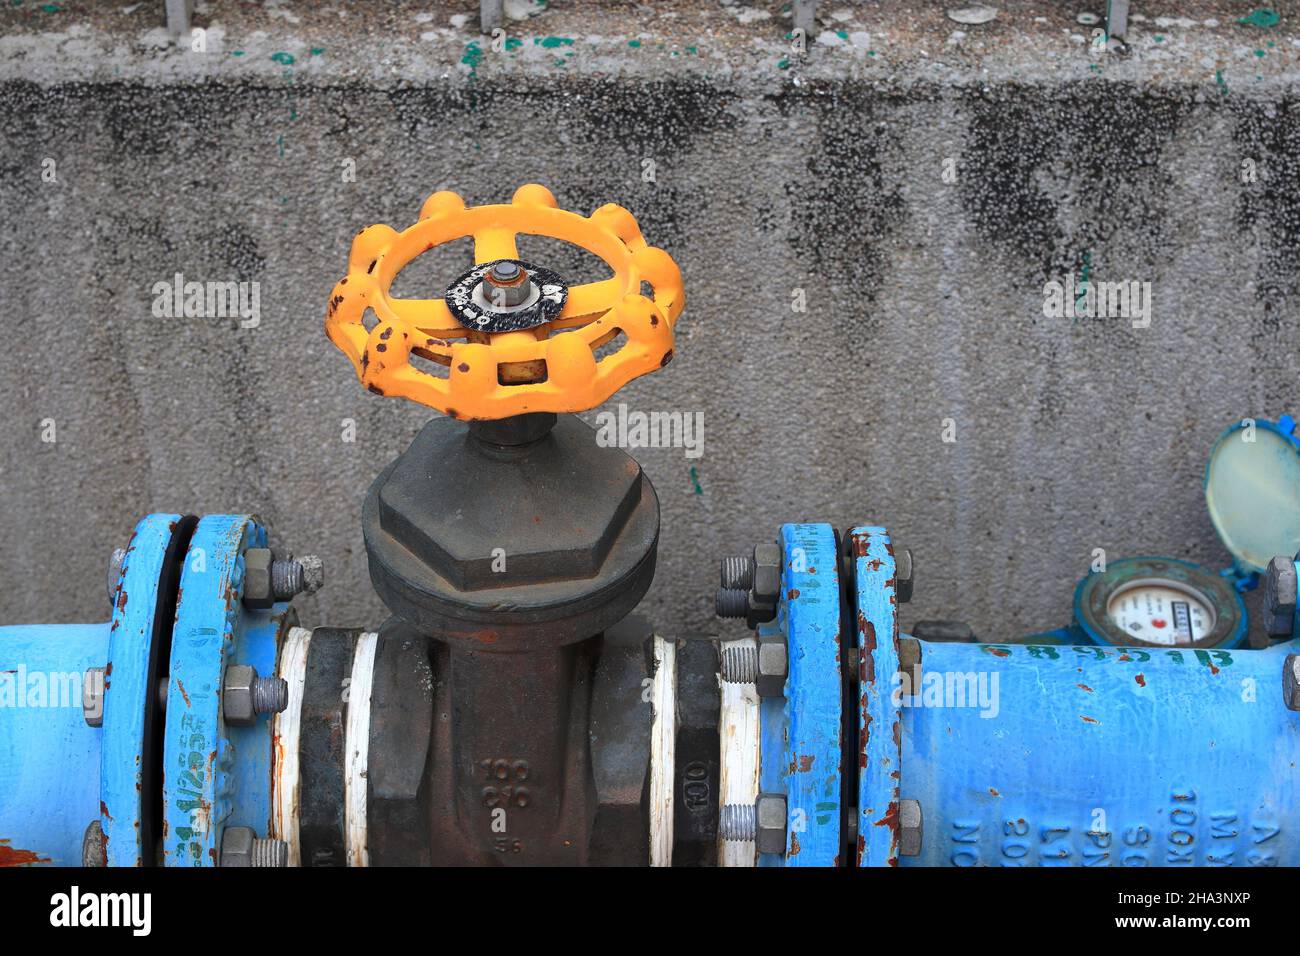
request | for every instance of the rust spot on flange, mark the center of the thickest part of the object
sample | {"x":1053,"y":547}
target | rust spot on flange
{"x":11,"y":856}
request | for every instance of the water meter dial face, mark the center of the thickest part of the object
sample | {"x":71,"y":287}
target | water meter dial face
{"x":1162,"y":613}
{"x":1159,"y":602}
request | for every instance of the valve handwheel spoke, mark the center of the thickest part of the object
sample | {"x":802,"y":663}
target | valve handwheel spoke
{"x":495,"y":242}
{"x":493,"y":330}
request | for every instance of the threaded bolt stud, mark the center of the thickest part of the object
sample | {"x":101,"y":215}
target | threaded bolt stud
{"x":242,"y":847}
{"x":738,"y":572}
{"x":268,"y":852}
{"x":293,"y":576}
{"x":732,"y":602}
{"x":270,"y":695}
{"x":740,"y":662}
{"x":738,"y":822}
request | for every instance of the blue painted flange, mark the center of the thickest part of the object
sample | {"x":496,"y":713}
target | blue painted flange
{"x":124,"y":751}
{"x":879,"y":727}
{"x":801,"y":736}
{"x":214,"y":775}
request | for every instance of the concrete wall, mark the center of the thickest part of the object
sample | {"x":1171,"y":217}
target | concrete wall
{"x":924,"y":297}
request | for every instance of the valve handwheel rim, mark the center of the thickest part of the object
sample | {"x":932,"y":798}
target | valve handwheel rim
{"x":515,"y":363}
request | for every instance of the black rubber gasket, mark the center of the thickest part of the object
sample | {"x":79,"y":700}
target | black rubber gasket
{"x":460,"y":300}
{"x":155,"y":717}
{"x":321,"y":747}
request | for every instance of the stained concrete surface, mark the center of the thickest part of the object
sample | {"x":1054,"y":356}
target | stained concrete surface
{"x":773,"y":173}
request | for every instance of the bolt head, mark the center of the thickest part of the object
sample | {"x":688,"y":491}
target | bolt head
{"x":237,"y":846}
{"x":115,"y":562}
{"x":903,"y":574}
{"x":93,"y":686}
{"x":257,"y":578}
{"x":909,"y":663}
{"x":237,"y":695}
{"x":1291,"y":681}
{"x":1280,"y":596}
{"x":773,"y":665}
{"x":771,"y":816}
{"x":909,"y":828}
{"x":765,"y":592}
{"x":767,"y":573}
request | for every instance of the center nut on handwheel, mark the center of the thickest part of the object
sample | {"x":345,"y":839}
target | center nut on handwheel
{"x":509,"y":542}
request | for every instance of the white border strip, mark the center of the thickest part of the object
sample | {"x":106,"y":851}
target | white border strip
{"x":357,"y":753}
{"x":740,"y":735}
{"x":286,"y":733}
{"x":663,"y":751}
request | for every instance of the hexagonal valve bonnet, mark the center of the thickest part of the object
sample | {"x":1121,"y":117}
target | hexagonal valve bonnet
{"x":509,"y":546}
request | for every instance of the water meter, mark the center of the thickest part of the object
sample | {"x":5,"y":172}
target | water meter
{"x":1252,"y":491}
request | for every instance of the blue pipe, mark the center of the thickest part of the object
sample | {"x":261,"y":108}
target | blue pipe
{"x":1102,"y":757}
{"x":49,"y":755}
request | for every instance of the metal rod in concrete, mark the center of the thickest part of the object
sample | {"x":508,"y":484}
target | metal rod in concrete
{"x":179,"y":14}
{"x":1117,"y":19}
{"x":805,"y":17}
{"x":491,"y":14}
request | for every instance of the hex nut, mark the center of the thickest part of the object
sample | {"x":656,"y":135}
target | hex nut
{"x":938,"y":632}
{"x":909,"y":663}
{"x":115,"y":562}
{"x":765,"y":593}
{"x":93,"y":687}
{"x":237,"y":846}
{"x":773,"y":665}
{"x":258,"y":594}
{"x":903,"y":572}
{"x":772,"y":816}
{"x":909,"y":828}
{"x":237,"y":695}
{"x":1280,"y":597}
{"x":767,"y":573}
{"x":1291,"y":681}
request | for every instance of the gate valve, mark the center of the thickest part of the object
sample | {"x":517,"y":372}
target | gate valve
{"x":494,"y":336}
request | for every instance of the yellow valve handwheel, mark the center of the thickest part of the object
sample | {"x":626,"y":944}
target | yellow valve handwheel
{"x":511,"y":336}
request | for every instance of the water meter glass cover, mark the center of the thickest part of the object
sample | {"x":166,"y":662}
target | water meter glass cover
{"x":1162,"y":612}
{"x":1252,"y":491}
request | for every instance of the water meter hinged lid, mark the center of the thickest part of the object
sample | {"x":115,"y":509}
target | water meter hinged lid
{"x":1252,"y":490}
